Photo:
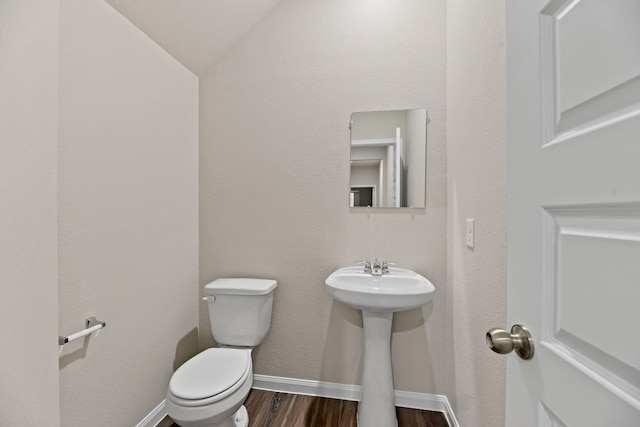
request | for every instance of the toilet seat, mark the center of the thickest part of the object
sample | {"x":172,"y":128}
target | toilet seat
{"x":210,"y":376}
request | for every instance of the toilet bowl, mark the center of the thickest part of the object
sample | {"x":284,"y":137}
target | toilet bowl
{"x":209,"y":389}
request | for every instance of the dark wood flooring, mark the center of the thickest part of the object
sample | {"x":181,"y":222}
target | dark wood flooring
{"x":272,"y":409}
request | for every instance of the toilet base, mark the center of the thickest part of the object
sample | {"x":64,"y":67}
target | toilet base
{"x":242,"y":417}
{"x":239,"y":419}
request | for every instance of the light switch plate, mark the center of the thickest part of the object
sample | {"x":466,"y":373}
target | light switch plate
{"x":470,"y":233}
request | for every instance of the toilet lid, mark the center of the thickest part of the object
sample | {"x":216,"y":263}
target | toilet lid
{"x":209,"y":373}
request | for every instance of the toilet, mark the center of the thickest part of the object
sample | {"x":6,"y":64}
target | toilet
{"x":209,"y":389}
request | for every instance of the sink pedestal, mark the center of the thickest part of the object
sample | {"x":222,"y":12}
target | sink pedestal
{"x":378,"y":296}
{"x":377,"y":406}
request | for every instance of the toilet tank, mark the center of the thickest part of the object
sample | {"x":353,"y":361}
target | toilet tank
{"x":240,"y":310}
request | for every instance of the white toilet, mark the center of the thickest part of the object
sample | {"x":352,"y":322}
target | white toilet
{"x":210,"y":388}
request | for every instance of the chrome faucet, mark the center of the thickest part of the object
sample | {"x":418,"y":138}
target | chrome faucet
{"x":367,"y":266}
{"x":385,"y":267}
{"x":376,"y":269}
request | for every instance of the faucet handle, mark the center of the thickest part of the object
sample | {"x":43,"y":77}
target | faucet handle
{"x":386,"y":264}
{"x":367,"y":265}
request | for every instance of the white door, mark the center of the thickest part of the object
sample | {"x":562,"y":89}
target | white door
{"x":573,"y":176}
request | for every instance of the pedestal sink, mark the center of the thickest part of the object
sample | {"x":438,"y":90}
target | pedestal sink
{"x":378,"y":296}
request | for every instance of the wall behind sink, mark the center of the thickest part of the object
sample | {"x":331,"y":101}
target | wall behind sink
{"x":274,"y":150}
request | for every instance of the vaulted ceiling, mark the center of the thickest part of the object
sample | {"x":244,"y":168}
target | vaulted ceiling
{"x":195,"y":32}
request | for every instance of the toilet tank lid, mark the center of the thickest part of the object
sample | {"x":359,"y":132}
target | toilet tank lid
{"x":240,"y":286}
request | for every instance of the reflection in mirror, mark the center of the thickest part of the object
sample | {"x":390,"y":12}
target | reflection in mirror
{"x":388,"y":158}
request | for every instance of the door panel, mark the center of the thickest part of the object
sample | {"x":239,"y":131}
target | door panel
{"x":595,"y":57}
{"x":590,"y":64}
{"x":548,"y":418}
{"x":594,"y":254}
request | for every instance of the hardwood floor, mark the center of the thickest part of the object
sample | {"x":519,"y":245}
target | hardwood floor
{"x":272,"y":409}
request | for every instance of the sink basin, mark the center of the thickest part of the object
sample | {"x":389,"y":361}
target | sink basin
{"x":398,"y":290}
{"x":378,"y":297}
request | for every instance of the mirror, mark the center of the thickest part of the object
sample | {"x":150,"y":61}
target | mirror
{"x":388,"y":159}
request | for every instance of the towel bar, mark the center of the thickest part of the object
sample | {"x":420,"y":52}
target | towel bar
{"x":91,"y":325}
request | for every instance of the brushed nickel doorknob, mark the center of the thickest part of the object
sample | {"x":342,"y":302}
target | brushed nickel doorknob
{"x":503,"y":342}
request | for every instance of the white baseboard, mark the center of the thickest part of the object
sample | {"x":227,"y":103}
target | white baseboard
{"x":405,"y":399}
{"x":154,"y":416}
{"x":307,"y":387}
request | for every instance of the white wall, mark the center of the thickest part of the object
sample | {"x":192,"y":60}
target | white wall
{"x":28,"y":254}
{"x":128,"y":215}
{"x":476,"y":174}
{"x":377,"y":124}
{"x":366,"y":176}
{"x":275,"y":176}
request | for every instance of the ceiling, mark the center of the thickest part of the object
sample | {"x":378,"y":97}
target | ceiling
{"x":195,"y":32}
